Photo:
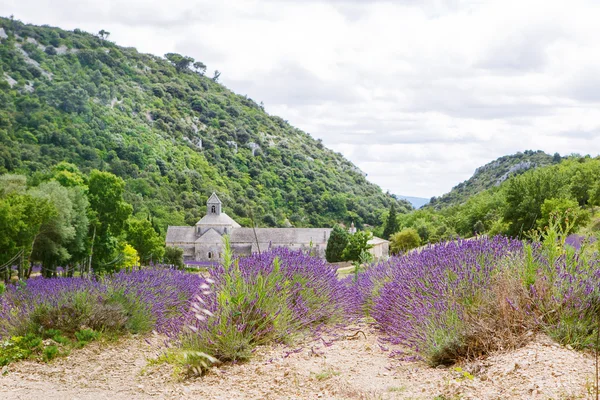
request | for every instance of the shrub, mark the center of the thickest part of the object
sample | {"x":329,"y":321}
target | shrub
{"x":437,"y":301}
{"x":358,"y":243}
{"x":404,"y":240}
{"x":86,"y":335}
{"x":18,"y":348}
{"x":137,"y":302}
{"x":464,"y":299}
{"x":50,"y":352}
{"x":338,"y":240}
{"x":174,"y":256}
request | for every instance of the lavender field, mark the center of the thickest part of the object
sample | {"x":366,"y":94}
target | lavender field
{"x":452,"y":301}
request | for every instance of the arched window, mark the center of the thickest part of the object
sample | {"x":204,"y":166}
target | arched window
{"x":226,"y":231}
{"x":210,"y":255}
{"x":213,"y":209}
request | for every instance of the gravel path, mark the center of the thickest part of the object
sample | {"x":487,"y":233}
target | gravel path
{"x":332,"y":367}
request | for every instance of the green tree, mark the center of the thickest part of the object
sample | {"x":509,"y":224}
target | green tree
{"x":68,"y":175}
{"x":181,"y":63}
{"x":338,"y":240}
{"x":78,"y":247}
{"x":563,"y":209}
{"x":108,"y":216}
{"x":148,"y":244}
{"x":358,"y":243}
{"x":478,"y":228}
{"x":130,"y":258}
{"x":583,"y":176}
{"x":174,"y":256}
{"x":526,"y":193}
{"x":200,"y":67}
{"x":556,"y":158}
{"x":391,"y":226}
{"x":10,"y":183}
{"x":103,"y":34}
{"x":404,"y":240}
{"x":55,"y":233}
{"x":21,"y":219}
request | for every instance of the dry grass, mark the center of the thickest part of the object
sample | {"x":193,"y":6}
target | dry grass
{"x":501,"y":319}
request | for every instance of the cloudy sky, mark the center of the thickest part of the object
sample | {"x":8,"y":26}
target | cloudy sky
{"x":417,"y":93}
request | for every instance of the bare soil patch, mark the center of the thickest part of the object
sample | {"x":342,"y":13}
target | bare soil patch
{"x":342,"y":364}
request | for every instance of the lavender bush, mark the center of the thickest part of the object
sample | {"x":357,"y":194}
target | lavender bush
{"x":138,"y":301}
{"x":466,"y":298}
{"x":424,"y":299}
{"x":260,"y":299}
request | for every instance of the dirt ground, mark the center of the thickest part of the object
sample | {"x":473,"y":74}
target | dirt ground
{"x":342,"y":364}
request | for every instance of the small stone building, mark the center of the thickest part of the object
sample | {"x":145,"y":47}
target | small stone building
{"x":204,"y":241}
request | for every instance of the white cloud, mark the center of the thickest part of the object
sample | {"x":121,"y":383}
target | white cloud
{"x":417,"y":93}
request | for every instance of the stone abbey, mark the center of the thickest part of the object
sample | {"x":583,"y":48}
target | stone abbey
{"x":204,"y":241}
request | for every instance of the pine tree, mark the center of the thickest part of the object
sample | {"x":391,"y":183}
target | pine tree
{"x":336,"y":244}
{"x":391,"y":225}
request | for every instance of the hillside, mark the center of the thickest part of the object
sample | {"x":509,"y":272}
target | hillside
{"x":173,"y":134}
{"x":493,"y":174}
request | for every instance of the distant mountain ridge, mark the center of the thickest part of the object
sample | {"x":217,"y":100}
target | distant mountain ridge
{"x":417,"y":202}
{"x":172,"y":133}
{"x":493,"y":174}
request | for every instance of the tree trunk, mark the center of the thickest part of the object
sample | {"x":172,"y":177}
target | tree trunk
{"x":89,"y":269}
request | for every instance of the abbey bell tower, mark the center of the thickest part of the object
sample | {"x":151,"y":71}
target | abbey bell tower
{"x":213,"y":205}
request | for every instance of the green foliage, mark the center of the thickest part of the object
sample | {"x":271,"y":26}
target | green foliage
{"x":180,"y":62}
{"x":109,"y":216}
{"x":249,"y":313}
{"x":526,"y":194}
{"x":22,"y":217}
{"x":521,"y":203}
{"x":124,"y":312}
{"x":357,"y":246}
{"x":170,"y":133}
{"x":130,"y":258}
{"x":174,"y":256}
{"x":338,"y":240}
{"x":431,"y":226}
{"x":142,"y":236}
{"x":18,"y":348}
{"x":32,"y":345}
{"x":491,"y":175}
{"x":50,"y":246}
{"x":50,"y":352}
{"x":404,"y":240}
{"x":572,"y":326}
{"x":2,"y":288}
{"x":566,"y":210}
{"x":56,"y":335}
{"x":237,"y":301}
{"x":391,"y":225}
{"x":85,"y":336}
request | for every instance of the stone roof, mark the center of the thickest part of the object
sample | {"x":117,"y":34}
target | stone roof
{"x":375,"y":241}
{"x":281,"y":235}
{"x":210,"y":237}
{"x":181,"y":234}
{"x":218,"y":220}
{"x":213,"y":199}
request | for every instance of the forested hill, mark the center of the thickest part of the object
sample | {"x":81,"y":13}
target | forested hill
{"x":173,"y":134}
{"x":493,"y":174}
